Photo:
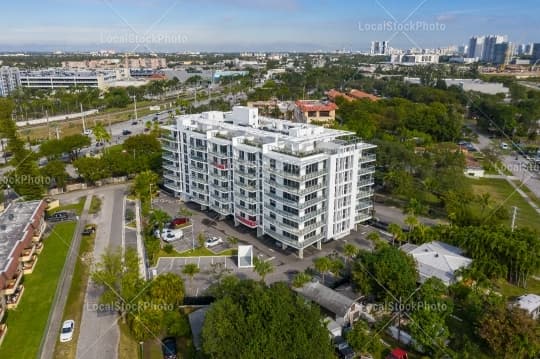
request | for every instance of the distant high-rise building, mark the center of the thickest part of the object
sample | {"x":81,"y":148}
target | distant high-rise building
{"x":379,"y":48}
{"x":488,"y":53}
{"x":462,"y":50}
{"x":502,"y":53}
{"x":476,"y":46}
{"x":10,"y":79}
{"x":528,"y":49}
{"x":535,"y":52}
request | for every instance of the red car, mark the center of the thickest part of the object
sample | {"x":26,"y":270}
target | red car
{"x":397,"y":353}
{"x":178,"y":222}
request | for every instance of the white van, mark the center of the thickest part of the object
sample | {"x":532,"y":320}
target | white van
{"x":505,"y":146}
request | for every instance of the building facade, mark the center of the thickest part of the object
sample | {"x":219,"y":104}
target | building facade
{"x":59,"y":78}
{"x":314,"y":111}
{"x":300,"y":184}
{"x":10,"y":79}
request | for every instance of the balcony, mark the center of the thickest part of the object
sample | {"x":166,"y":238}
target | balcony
{"x":362,"y":217}
{"x":368,"y":158}
{"x":173,"y":186}
{"x":171,"y":168}
{"x":366,"y":170}
{"x":298,"y":191}
{"x":363,"y":205}
{"x":221,"y":166}
{"x":246,"y":208}
{"x":291,"y":242}
{"x":223,"y":210}
{"x":246,"y":222}
{"x":27,"y":254}
{"x":28,"y":267}
{"x":245,"y":185}
{"x":38,"y":233}
{"x":13,"y":283}
{"x":219,"y":154}
{"x":198,"y":158}
{"x":247,"y":163}
{"x":197,"y":169}
{"x":170,"y":176}
{"x":298,"y":176}
{"x":364,"y":194}
{"x":12,"y":300}
{"x":246,"y":174}
{"x":202,"y":148}
{"x":295,"y":204}
{"x":312,"y":214}
{"x":169,"y":158}
{"x":366,"y":182}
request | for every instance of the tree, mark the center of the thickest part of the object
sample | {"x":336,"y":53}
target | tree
{"x":363,"y":341}
{"x":251,"y":320}
{"x":190,"y":269}
{"x":201,"y":238}
{"x":158,"y":219}
{"x":389,"y":273}
{"x":91,"y":169}
{"x":143,"y":186}
{"x":101,"y":133}
{"x":350,"y":250}
{"x":323,"y":265}
{"x":233,"y":241}
{"x":119,"y":279}
{"x":73,"y":144}
{"x":56,"y":170}
{"x":396,"y":231}
{"x":510,"y":332}
{"x":262,"y":267}
{"x":168,"y":290}
{"x":300,"y":279}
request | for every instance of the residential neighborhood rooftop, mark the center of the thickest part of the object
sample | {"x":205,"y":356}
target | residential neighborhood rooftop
{"x":437,"y":259}
{"x":14,"y":221}
{"x":326,"y":297}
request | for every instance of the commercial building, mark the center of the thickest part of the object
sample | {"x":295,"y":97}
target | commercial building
{"x":379,"y":48}
{"x":10,"y":79}
{"x":59,"y":78}
{"x":502,"y":53}
{"x":535,"y":52}
{"x":415,"y":59}
{"x":300,"y":184}
{"x":21,"y":228}
{"x":315,"y":111}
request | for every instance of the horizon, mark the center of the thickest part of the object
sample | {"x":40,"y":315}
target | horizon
{"x":163,"y":26}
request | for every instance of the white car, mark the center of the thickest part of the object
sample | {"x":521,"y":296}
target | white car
{"x":170,"y":235}
{"x":87,"y":132}
{"x":66,"y":334}
{"x":214,"y":241}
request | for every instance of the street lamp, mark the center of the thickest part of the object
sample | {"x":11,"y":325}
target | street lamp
{"x":141,"y":343}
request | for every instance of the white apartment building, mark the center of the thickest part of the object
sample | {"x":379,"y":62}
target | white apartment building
{"x":300,"y":184}
{"x":10,"y":79}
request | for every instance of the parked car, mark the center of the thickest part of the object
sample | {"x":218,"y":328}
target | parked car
{"x":58,"y":216}
{"x":66,"y":334}
{"x":178,"y":222}
{"x":397,"y":353}
{"x":87,"y":132}
{"x":134,"y":123}
{"x":168,"y":347}
{"x":169,"y":235}
{"x":88,"y":230}
{"x":342,"y":348}
{"x":214,"y":241}
{"x":504,"y":146}
{"x":126,"y":132}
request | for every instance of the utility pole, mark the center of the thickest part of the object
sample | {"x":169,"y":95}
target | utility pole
{"x":48,"y":128}
{"x":135,"y":102}
{"x":514,"y":215}
{"x":83,"y":122}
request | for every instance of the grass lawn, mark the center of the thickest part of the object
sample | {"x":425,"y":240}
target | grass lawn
{"x":26,"y":324}
{"x":95,"y":205}
{"x":75,"y":301}
{"x":75,"y":207}
{"x":529,"y":193}
{"x":502,"y":191}
{"x":128,"y":347}
{"x":511,"y":291}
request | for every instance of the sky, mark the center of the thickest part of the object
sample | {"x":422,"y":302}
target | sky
{"x":258,"y":25}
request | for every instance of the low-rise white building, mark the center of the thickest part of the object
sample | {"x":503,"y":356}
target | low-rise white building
{"x":61,"y":78}
{"x":437,"y":259}
{"x":297,"y":183}
{"x":530,"y":303}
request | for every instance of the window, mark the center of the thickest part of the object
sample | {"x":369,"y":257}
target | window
{"x":312,"y":113}
{"x":272,"y":203}
{"x":290,"y":183}
{"x":290,"y":197}
{"x":252,"y":157}
{"x":290,"y":210}
{"x":290,"y":168}
{"x":272,"y":178}
{"x":241,"y":155}
{"x":272,"y":215}
{"x":273,"y":164}
{"x":310,"y":196}
{"x":311,"y":183}
{"x":324,"y":113}
{"x":310,"y":222}
{"x":314,"y":167}
{"x":289,"y":235}
{"x":311,"y":209}
{"x":290,"y":223}
{"x":272,"y":190}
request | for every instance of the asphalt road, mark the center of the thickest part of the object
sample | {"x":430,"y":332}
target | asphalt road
{"x":99,"y":334}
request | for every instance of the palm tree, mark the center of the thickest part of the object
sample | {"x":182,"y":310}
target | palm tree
{"x":350,"y":251}
{"x":412,"y":221}
{"x":158,"y":218}
{"x":301,"y":279}
{"x":397,"y":232}
{"x":232,"y":240}
{"x":323,"y":265}
{"x":262,"y":267}
{"x":201,"y":238}
{"x":191,"y":270}
{"x":167,"y":289}
{"x":101,"y":133}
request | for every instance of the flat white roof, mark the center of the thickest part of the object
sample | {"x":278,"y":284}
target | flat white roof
{"x":529,"y":302}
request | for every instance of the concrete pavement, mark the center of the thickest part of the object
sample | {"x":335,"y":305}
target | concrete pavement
{"x":99,"y":333}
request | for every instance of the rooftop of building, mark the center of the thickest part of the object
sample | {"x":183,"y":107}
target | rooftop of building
{"x":60,"y":72}
{"x":327,"y":298}
{"x":14,"y":221}
{"x":437,"y":259}
{"x":529,"y":302}
{"x":315,"y":105}
{"x":361,"y":95}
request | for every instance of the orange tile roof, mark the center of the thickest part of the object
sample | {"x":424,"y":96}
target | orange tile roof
{"x":310,"y":105}
{"x":333,"y":94}
{"x":361,"y":94}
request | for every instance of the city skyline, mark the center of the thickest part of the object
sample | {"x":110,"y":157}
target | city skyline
{"x":239,"y":25}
